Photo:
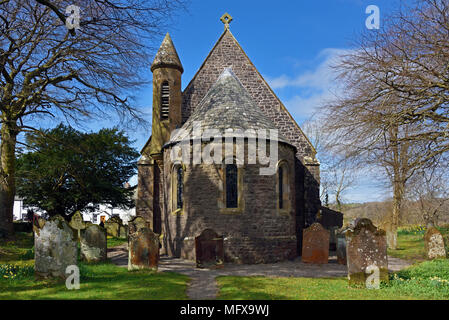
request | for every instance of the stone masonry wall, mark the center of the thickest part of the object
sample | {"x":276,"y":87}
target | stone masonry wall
{"x":258,"y":234}
{"x":228,"y":53}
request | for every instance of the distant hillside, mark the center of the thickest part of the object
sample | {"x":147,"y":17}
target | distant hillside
{"x":378,"y":211}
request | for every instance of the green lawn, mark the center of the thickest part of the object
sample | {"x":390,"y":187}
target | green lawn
{"x":411,"y":244}
{"x":114,"y":242}
{"x":101,"y":281}
{"x":98,"y":281}
{"x":428,"y":280}
{"x":19,"y":251}
{"x":425,"y":280}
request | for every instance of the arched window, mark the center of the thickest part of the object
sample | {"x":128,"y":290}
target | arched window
{"x":283,"y":187}
{"x":165,"y":100}
{"x":178,"y":187}
{"x":231,"y":179}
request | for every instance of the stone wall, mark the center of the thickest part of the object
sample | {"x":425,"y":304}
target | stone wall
{"x":228,"y":53}
{"x":255,"y":234}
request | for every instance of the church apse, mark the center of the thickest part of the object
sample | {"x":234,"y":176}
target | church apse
{"x":226,"y":93}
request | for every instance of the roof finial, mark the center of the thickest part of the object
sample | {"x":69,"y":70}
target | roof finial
{"x":226,"y":19}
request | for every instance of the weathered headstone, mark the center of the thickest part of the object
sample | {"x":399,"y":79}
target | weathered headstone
{"x":77,"y":223}
{"x":112,"y":228}
{"x":341,"y":248}
{"x":209,"y":249}
{"x":55,"y":247}
{"x":434,"y":244}
{"x":93,"y":243}
{"x":143,"y":249}
{"x":315,"y":244}
{"x":366,"y":247}
{"x":333,"y":238}
{"x":123,"y":231}
{"x":137,"y":223}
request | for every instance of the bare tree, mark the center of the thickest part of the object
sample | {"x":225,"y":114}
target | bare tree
{"x":394,"y":114}
{"x":338,"y":173}
{"x":47,"y":70}
{"x":428,"y":193}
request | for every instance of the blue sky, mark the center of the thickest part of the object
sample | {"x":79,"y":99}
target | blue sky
{"x":291,"y":42}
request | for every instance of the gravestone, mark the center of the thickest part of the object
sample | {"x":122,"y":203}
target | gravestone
{"x":434,"y":244}
{"x":341,"y":248}
{"x":137,"y":223}
{"x":315,"y":244}
{"x":55,"y":247}
{"x":209,"y":250}
{"x":143,"y":246}
{"x":123,"y":233}
{"x":77,"y":223}
{"x":112,"y":228}
{"x":93,"y":243}
{"x":366,"y":246}
{"x":333,"y":238}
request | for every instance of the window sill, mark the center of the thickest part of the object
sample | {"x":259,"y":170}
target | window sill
{"x":231,"y":211}
{"x":178,"y":212}
{"x":284,"y":212}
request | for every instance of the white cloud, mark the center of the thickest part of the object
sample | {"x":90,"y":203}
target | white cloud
{"x":317,"y":85}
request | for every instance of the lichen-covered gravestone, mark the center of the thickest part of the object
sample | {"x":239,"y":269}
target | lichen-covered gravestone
{"x":434,"y":244}
{"x":143,"y":246}
{"x":114,"y":226}
{"x":93,"y":243}
{"x":137,"y":223}
{"x":366,"y":246}
{"x":77,"y":223}
{"x":315,"y":244}
{"x":55,"y":247}
{"x":341,"y":248}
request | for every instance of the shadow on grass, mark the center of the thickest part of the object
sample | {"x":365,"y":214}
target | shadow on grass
{"x":101,"y":282}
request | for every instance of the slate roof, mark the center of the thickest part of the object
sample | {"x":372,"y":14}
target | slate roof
{"x":226,"y":107}
{"x":167,"y":56}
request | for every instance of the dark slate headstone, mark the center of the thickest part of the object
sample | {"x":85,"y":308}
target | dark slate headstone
{"x":209,"y":250}
{"x":55,"y":247}
{"x":93,"y":243}
{"x":315,"y":244}
{"x":434,"y":244}
{"x":341,"y":248}
{"x":143,"y":249}
{"x":366,"y":246}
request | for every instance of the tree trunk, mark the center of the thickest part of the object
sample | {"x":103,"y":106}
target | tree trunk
{"x":398,"y":194}
{"x":7,"y":178}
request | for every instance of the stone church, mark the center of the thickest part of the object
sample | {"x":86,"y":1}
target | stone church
{"x":260,"y":218}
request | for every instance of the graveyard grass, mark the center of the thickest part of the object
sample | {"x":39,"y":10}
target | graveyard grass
{"x":98,"y":281}
{"x":425,"y":281}
{"x":411,"y":245}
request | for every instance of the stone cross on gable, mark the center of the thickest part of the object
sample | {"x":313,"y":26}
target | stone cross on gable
{"x":226,"y":19}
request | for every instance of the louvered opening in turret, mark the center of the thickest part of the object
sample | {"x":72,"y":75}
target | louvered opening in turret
{"x":165,"y":101}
